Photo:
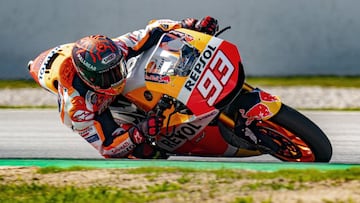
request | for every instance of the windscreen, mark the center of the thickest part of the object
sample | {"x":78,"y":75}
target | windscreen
{"x":173,"y":56}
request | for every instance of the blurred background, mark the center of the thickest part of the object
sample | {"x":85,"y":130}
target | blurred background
{"x":275,"y":37}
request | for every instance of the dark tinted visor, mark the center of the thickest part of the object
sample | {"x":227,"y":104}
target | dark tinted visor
{"x":108,"y":78}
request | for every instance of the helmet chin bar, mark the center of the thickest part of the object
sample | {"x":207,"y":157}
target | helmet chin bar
{"x":113,"y":90}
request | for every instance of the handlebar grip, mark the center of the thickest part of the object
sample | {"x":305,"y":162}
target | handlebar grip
{"x":164,"y":103}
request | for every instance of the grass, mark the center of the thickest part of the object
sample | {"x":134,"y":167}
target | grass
{"x":35,"y":193}
{"x":13,"y":84}
{"x":52,"y":169}
{"x":312,"y":175}
{"x":171,"y":189}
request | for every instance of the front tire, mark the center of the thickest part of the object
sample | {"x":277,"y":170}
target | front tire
{"x":300,"y":131}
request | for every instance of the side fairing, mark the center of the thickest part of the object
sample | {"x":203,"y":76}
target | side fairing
{"x":213,"y":77}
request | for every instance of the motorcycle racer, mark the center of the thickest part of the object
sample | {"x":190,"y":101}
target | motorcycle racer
{"x":92,"y":79}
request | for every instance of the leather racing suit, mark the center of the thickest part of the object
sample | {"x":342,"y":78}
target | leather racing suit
{"x":87,"y":112}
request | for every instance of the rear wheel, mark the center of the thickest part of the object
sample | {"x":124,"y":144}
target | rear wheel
{"x":298,"y":138}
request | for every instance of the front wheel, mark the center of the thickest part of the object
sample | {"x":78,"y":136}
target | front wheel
{"x":298,"y":138}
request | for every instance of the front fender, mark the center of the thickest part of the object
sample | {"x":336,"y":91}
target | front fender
{"x":258,"y":104}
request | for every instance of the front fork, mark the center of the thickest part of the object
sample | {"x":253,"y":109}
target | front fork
{"x":252,"y":105}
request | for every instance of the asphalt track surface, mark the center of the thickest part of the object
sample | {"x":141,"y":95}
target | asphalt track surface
{"x":36,"y":135}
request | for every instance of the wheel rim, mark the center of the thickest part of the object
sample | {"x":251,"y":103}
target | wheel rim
{"x":292,"y":148}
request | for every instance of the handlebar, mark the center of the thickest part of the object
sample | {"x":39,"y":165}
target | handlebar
{"x":164,"y":103}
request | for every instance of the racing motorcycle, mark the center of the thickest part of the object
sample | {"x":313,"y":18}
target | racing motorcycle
{"x":197,"y":83}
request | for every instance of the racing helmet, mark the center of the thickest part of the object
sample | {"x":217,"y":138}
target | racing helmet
{"x":100,"y":64}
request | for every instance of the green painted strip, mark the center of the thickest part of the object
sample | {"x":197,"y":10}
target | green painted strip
{"x":126,"y":163}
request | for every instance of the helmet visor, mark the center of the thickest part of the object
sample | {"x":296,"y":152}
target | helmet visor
{"x":110,"y":77}
{"x":107,"y":78}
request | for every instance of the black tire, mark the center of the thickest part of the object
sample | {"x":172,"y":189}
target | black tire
{"x":306,"y":130}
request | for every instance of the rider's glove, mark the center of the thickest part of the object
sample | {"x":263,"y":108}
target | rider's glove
{"x":136,"y":135}
{"x":189,"y":23}
{"x":150,"y":127}
{"x":208,"y":25}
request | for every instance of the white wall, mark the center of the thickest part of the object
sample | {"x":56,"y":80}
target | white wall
{"x":275,"y":37}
